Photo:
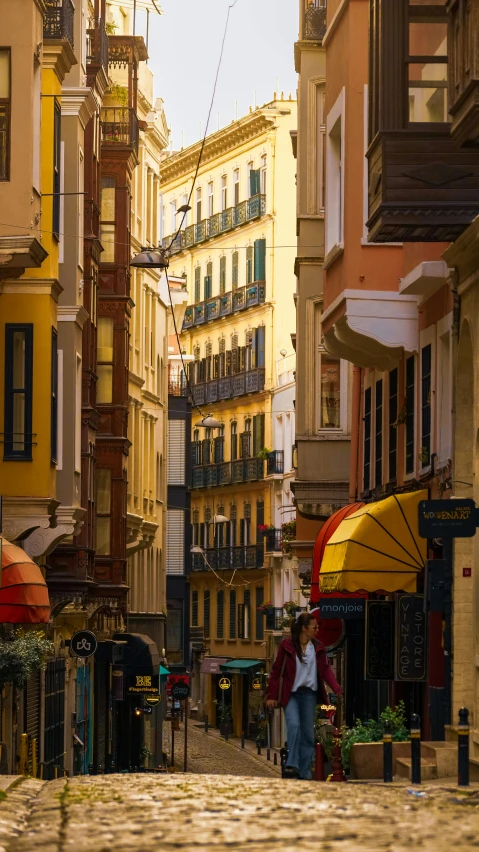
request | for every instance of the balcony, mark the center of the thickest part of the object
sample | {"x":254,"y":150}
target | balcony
{"x":228,"y":473}
{"x":275,"y":618}
{"x":273,"y":541}
{"x":177,"y":385}
{"x":275,"y":463}
{"x":119,"y":128}
{"x":97,"y":43}
{"x":228,"y":558}
{"x":218,"y":224}
{"x":58,"y":22}
{"x":229,"y":387}
{"x":313,"y":20}
{"x":223,"y":306}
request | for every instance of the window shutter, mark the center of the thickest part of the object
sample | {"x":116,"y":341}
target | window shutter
{"x":175,"y":541}
{"x":207,"y":286}
{"x":247,"y":614}
{"x":219,"y":451}
{"x":234,"y":271}
{"x":245,"y":439}
{"x":206,"y":451}
{"x":241,"y":621}
{"x":176,"y":452}
{"x":216,"y":366}
{"x":254,"y":181}
{"x":232,"y":614}
{"x":249,"y":264}
{"x":260,"y":260}
{"x":222,"y":275}
{"x":198,"y":284}
{"x":260,"y":345}
{"x":259,"y":513}
{"x":194,"y":608}
{"x":228,"y":364}
{"x":242,"y":359}
{"x":259,"y":613}
{"x":258,"y":434}
{"x":195,"y":452}
{"x":234,"y":360}
{"x":220,"y":612}
{"x":222,"y":345}
{"x":206,"y":613}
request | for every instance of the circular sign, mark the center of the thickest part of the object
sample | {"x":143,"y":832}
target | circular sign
{"x":225,"y":683}
{"x":331,"y":631}
{"x":180,"y":690}
{"x":153,"y":700}
{"x":256,"y":684}
{"x":84,"y":643}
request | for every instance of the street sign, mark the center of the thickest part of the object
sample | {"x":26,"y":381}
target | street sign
{"x":225,"y":683}
{"x":153,"y":700}
{"x":257,"y":683}
{"x":411,"y":632}
{"x":454,"y":518}
{"x":180,"y":690}
{"x":83,"y":644}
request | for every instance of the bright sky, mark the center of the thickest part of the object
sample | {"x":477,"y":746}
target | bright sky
{"x":184,"y":48}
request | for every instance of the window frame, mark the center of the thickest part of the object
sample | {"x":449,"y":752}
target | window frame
{"x":108,"y":222}
{"x":57,"y":172}
{"x":103,"y":515}
{"x":393,"y":411}
{"x":54,"y":399}
{"x":7,"y":103}
{"x":9,"y":453}
{"x":410,"y":421}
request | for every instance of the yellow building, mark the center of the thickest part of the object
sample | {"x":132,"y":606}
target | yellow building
{"x":236,"y":254}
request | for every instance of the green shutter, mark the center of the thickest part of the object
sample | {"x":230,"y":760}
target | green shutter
{"x":254,"y":182}
{"x":222,"y":275}
{"x":260,"y":260}
{"x":258,"y":434}
{"x":207,"y":286}
{"x":249,"y":264}
{"x":197,"y":284}
{"x":260,"y":346}
{"x":234,"y":271}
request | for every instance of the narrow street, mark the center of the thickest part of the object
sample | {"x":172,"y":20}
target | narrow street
{"x":147,"y":812}
{"x":210,"y":754}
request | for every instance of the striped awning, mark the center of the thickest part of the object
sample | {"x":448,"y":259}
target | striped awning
{"x":23,"y":590}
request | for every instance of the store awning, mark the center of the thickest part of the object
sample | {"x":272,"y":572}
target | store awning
{"x":241,"y":666}
{"x":164,"y":672}
{"x":23,"y":591}
{"x":329,"y":527}
{"x":212,"y":665}
{"x":139,"y":651}
{"x":377,"y":548}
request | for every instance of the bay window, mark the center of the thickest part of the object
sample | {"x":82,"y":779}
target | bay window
{"x":18,"y":392}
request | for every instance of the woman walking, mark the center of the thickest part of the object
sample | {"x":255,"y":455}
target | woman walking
{"x":296,"y":684}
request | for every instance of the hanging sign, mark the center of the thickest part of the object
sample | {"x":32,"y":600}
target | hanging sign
{"x":454,"y":518}
{"x":257,"y":683}
{"x":153,"y":700}
{"x":411,"y":656}
{"x":180,"y":690}
{"x":143,"y":683}
{"x":342,"y":607}
{"x":379,"y":650}
{"x":331,"y":631}
{"x":83,"y":644}
{"x":225,"y":683}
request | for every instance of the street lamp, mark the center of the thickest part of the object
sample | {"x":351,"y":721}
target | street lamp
{"x":209,"y":422}
{"x":151,"y":259}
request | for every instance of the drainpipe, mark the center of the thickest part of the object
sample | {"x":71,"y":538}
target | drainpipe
{"x":355,"y":429}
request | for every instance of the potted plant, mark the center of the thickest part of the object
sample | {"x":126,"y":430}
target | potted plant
{"x":264,"y":453}
{"x":224,"y":717}
{"x":264,"y":529}
{"x":145,"y":755}
{"x":362,"y":748}
{"x":291,"y":608}
{"x":323,"y":733}
{"x":266,"y":607}
{"x":262,"y":731}
{"x":288,"y":534}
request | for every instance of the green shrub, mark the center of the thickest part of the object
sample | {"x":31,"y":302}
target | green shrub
{"x":21,"y":654}
{"x":372,"y":731}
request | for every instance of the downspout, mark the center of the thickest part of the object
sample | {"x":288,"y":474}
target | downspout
{"x":355,"y":429}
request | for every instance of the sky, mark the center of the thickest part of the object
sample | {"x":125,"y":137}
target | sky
{"x":184,"y":49}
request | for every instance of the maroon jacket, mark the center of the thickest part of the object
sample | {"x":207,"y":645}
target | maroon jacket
{"x":286,"y":662}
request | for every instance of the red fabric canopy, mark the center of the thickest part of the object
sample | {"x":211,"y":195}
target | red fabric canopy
{"x":23,"y":591}
{"x":329,"y":527}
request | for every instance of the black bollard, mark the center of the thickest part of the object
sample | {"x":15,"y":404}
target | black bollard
{"x":206,"y":724}
{"x":463,"y":748}
{"x":226,"y":732}
{"x":259,"y":748}
{"x":387,"y":753}
{"x":283,"y":753}
{"x":91,"y":770}
{"x":415,"y":749}
{"x":268,"y":754}
{"x":242,"y":739}
{"x":275,"y":759}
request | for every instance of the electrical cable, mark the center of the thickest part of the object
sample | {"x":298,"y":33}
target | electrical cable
{"x":179,"y":348}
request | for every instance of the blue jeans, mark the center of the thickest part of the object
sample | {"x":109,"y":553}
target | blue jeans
{"x":299,"y":715}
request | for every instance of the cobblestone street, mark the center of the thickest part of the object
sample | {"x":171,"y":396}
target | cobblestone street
{"x":208,"y":753}
{"x":148,"y":812}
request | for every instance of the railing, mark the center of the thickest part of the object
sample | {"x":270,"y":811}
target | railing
{"x":119,"y":126}
{"x":314,"y":20}
{"x":97,"y":43}
{"x":177,"y":385}
{"x":227,"y":473}
{"x":228,"y":558}
{"x":275,"y":462}
{"x":222,"y":306}
{"x":274,"y":541}
{"x":218,"y":224}
{"x":228,"y":387}
{"x":275,"y":618}
{"x":58,"y":22}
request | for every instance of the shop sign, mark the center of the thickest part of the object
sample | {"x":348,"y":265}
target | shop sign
{"x":180,"y":690}
{"x":411,"y":657}
{"x":257,"y":683}
{"x":153,"y":700}
{"x":143,"y":683}
{"x":379,"y":651}
{"x":342,"y":608}
{"x":83,"y":644}
{"x":225,"y":683}
{"x":454,"y":518}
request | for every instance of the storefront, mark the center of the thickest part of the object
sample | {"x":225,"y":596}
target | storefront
{"x":247,"y":695}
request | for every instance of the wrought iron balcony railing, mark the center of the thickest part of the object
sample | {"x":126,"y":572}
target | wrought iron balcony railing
{"x":229,"y":387}
{"x":119,"y":127}
{"x":314,"y":20}
{"x":217,"y":224}
{"x":273,"y":541}
{"x":275,"y":462}
{"x":227,"y":473}
{"x":97,"y":43}
{"x":222,"y":306}
{"x":228,"y":558}
{"x":58,"y":22}
{"x":275,"y":618}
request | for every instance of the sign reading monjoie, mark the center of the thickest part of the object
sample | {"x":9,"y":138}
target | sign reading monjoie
{"x":411,"y":646}
{"x":379,"y":655}
{"x":344,"y":608}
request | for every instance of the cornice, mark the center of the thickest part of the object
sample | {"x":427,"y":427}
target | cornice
{"x":32,"y":287}
{"x":79,"y":103}
{"x":58,"y":56}
{"x":72,"y":313}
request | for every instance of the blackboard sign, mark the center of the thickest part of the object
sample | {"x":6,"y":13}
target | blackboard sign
{"x":379,"y":652}
{"x":411,"y":656}
{"x":454,"y":518}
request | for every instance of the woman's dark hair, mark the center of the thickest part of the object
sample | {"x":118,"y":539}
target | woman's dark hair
{"x":303,"y":620}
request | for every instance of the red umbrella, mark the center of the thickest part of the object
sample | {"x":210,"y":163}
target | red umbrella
{"x":23,"y":591}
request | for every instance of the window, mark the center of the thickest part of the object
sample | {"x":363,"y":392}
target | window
{"x":220,"y":614}
{"x":198,"y":204}
{"x":444,"y":391}
{"x":259,"y":260}
{"x":258,"y":434}
{"x":197,"y":284}
{"x":108,"y":219}
{"x":184,"y":216}
{"x":259,"y":613}
{"x":208,"y":282}
{"x":232,"y":614}
{"x":378,"y":434}
{"x":224,"y":193}
{"x":222,"y":275}
{"x":194,"y":608}
{"x":210,"y":198}
{"x":330,"y":415}
{"x":103,"y":511}
{"x":245,"y":439}
{"x":104,"y":387}
{"x":259,"y":519}
{"x":5,"y":106}
{"x":247,"y":613}
{"x":426,"y":366}
{"x":321,"y":148}
{"x":392,"y":419}
{"x":54,"y":399}
{"x":18,"y":392}
{"x":410,"y":412}
{"x":335,"y":175}
{"x":427,"y":63}
{"x":263,"y":175}
{"x":219,"y":450}
{"x":206,"y":613}
{"x":249,"y":264}
{"x":253,"y":181}
{"x":236,"y":186}
{"x":234,"y":270}
{"x":367,"y":440}
{"x":234,"y":441}
{"x":57,"y":142}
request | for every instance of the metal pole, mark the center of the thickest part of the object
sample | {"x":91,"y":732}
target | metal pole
{"x":448,"y":556}
{"x":242,"y":739}
{"x":415,"y":749}
{"x":463,"y":748}
{"x":387,"y":753}
{"x":185,"y":765}
{"x":223,"y":705}
{"x":172,"y":742}
{"x":134,"y":16}
{"x":206,"y":724}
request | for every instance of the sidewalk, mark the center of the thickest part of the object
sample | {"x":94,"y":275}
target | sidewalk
{"x":249,"y":746}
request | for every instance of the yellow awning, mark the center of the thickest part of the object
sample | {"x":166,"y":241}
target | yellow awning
{"x":378,"y":548}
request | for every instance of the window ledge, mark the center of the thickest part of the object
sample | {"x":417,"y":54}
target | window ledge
{"x":336,"y":251}
{"x":366,"y":242}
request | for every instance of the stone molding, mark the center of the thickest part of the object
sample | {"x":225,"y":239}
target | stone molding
{"x":43,"y":541}
{"x":22,"y":515}
{"x":33,"y":287}
{"x":78,"y":102}
{"x":72,"y":313}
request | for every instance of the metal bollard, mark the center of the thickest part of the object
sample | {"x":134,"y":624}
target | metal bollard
{"x":275,"y":759}
{"x":283,"y":753}
{"x":56,"y":771}
{"x":268,"y":754}
{"x":415,"y":749}
{"x":226,"y":733}
{"x":91,"y":769}
{"x":259,"y":748}
{"x":242,"y":739}
{"x":206,"y":724}
{"x":65,"y":773}
{"x":319,"y":763}
{"x":23,"y":765}
{"x":42,"y":770}
{"x":463,"y":748}
{"x":387,"y":753}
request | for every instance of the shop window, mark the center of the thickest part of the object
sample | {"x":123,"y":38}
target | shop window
{"x":103,"y":511}
{"x":18,"y":438}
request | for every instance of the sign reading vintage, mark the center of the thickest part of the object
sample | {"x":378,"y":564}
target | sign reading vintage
{"x":379,"y":655}
{"x":411,"y":656}
{"x":344,"y":608}
{"x":454,"y":518}
{"x":84,"y":643}
{"x":141,"y":683}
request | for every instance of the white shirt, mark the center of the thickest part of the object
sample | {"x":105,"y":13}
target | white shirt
{"x":306,"y":671}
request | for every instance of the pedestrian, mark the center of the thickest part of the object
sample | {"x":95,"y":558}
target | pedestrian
{"x":296,"y":679}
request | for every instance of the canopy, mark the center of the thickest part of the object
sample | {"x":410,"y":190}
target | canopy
{"x":23,"y":591}
{"x":240,"y":666}
{"x":322,"y":538}
{"x":377,"y":548}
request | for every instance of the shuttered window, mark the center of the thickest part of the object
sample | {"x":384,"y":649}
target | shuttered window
{"x":249,"y":264}
{"x":410,"y":412}
{"x":206,"y":613}
{"x":175,"y":541}
{"x":258,"y":434}
{"x":393,"y":414}
{"x":232,"y":614}
{"x":367,"y":440}
{"x":220,"y":614}
{"x":194,"y":608}
{"x":259,"y":613}
{"x":198,"y":284}
{"x":378,"y":455}
{"x":176,"y":452}
{"x":234,"y":270}
{"x":222,"y":275}
{"x":260,"y":260}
